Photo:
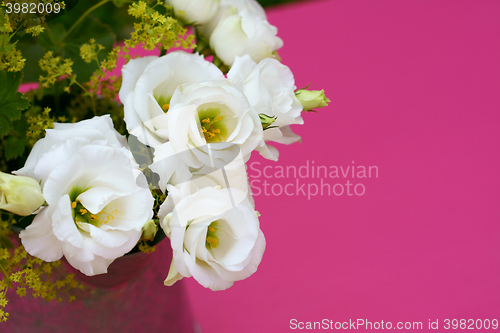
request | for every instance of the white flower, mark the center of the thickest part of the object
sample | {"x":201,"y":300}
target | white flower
{"x":210,"y":120}
{"x":241,"y":27}
{"x":19,"y":195}
{"x":212,"y":240}
{"x":172,"y":170}
{"x":252,"y":6}
{"x":194,"y":11}
{"x":148,"y":85}
{"x":269,"y":87}
{"x":85,"y":132}
{"x":97,"y":200}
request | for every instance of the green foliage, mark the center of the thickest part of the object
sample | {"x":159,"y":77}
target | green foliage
{"x":155,"y":29}
{"x":54,"y":67}
{"x":14,"y":147}
{"x":5,"y":25}
{"x":38,"y":123}
{"x":64,"y":39}
{"x":66,"y":44}
{"x":10,"y":58}
{"x":11,"y":101}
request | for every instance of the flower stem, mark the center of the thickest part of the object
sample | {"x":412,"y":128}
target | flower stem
{"x":75,"y":25}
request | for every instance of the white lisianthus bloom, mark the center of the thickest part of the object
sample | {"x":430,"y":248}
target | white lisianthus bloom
{"x":269,"y":87}
{"x":210,"y":120}
{"x":213,"y":240}
{"x":20,"y":195}
{"x":172,"y":170}
{"x":241,"y":27}
{"x":85,"y":132}
{"x":194,"y":11}
{"x":97,"y":200}
{"x":148,"y":86}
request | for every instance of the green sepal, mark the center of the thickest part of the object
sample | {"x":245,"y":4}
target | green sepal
{"x":266,"y":121}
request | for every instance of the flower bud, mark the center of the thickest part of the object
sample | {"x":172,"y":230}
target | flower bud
{"x":312,"y":99}
{"x":149,"y":230}
{"x":20,"y":195}
{"x":241,"y":28}
{"x":194,"y":11}
{"x":266,"y":121}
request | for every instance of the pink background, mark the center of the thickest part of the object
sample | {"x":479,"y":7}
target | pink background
{"x":415,"y":90}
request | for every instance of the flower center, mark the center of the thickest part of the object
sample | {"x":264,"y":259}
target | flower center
{"x":212,"y":241}
{"x":81,"y":214}
{"x":212,"y":125}
{"x":163,"y":102}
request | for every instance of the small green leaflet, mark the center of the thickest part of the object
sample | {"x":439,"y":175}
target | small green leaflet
{"x":11,"y":101}
{"x":14,"y":147}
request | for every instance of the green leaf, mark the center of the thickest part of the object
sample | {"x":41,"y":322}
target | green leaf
{"x":4,"y":126}
{"x":14,"y":147}
{"x":4,"y":40}
{"x":7,"y":48}
{"x":52,"y":39}
{"x":11,"y":101}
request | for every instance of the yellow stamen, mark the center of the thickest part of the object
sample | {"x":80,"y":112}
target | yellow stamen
{"x":212,"y":229}
{"x":93,"y":217}
{"x":165,"y":107}
{"x":206,"y":120}
{"x":212,"y":241}
{"x":83,"y":211}
{"x":73,"y":205}
{"x":216,"y":131}
{"x":204,"y":130}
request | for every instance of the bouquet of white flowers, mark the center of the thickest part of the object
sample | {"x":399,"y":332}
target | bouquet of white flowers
{"x":100,"y":163}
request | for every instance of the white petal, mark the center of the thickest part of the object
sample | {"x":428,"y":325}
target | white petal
{"x":97,"y":266}
{"x":173,"y":276}
{"x":109,"y":239}
{"x":206,"y":275}
{"x":130,"y":212}
{"x":131,"y":73}
{"x":251,"y":265}
{"x":63,"y":225}
{"x":170,"y":166}
{"x":288,"y":136}
{"x":268,"y":151}
{"x":135,"y":125}
{"x":39,"y":240}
